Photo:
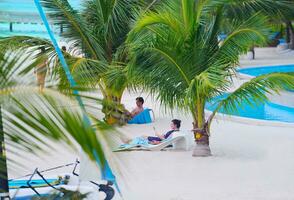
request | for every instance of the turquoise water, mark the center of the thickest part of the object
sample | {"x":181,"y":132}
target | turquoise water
{"x":21,"y":8}
{"x":265,"y":111}
{"x":257,"y":71}
{"x":27,"y":5}
{"x":28,"y":29}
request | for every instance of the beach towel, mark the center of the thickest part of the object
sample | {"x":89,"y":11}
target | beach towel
{"x":141,"y":143}
{"x":136,"y":142}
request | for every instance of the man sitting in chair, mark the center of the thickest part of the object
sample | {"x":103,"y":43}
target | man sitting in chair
{"x":139,"y":107}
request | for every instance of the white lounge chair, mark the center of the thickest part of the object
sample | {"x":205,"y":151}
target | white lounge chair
{"x":178,"y":140}
{"x":185,"y":143}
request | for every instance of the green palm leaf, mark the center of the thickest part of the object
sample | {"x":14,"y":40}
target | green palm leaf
{"x":31,"y":118}
{"x":24,"y":42}
{"x":190,"y":63}
{"x":177,"y":56}
{"x":37,"y":117}
{"x":256,"y":91}
{"x":241,"y":9}
{"x":76,"y":28}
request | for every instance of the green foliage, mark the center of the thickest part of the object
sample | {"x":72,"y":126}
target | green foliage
{"x":99,"y":31}
{"x":255,"y":91}
{"x":64,"y":195}
{"x":49,"y":115}
{"x":31,"y":118}
{"x":275,"y":9}
{"x":178,"y":57}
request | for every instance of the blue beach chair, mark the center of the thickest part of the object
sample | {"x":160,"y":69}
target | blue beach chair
{"x":273,"y":35}
{"x":143,"y":118}
{"x":282,"y":41}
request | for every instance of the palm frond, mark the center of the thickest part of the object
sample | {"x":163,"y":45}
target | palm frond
{"x":11,"y":65}
{"x":189,"y":63}
{"x":76,"y":30}
{"x":241,"y":9}
{"x":162,"y":17}
{"x":244,"y":34}
{"x":255,"y":91}
{"x":24,"y":42}
{"x":28,"y":49}
{"x":87,"y":72}
{"x":31,"y":118}
{"x":115,"y":79}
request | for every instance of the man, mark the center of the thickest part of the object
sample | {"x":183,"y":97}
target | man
{"x":139,"y":107}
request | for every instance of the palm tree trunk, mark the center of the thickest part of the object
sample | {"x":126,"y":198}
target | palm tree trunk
{"x":291,"y":30}
{"x":253,"y":52}
{"x":288,"y":39}
{"x":202,"y":148}
{"x":4,"y":190}
{"x":114,"y":111}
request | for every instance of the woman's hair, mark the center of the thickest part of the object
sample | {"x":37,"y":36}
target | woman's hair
{"x":177,"y":122}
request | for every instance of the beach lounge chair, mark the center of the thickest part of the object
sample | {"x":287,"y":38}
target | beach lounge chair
{"x":143,"y":118}
{"x":179,"y":140}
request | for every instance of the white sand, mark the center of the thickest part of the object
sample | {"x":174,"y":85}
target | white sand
{"x":249,"y":162}
{"x":268,"y":56}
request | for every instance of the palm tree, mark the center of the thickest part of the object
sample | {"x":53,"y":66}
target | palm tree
{"x":177,"y":55}
{"x":99,"y":32}
{"x":278,"y":11}
{"x":30,"y":118}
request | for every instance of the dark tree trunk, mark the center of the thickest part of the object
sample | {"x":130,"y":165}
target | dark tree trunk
{"x":288,"y":39}
{"x":202,"y":148}
{"x":253,"y":52}
{"x":291,"y":31}
{"x":4,"y":190}
{"x":115,"y":112}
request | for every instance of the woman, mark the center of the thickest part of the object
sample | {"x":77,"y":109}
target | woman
{"x":175,"y":126}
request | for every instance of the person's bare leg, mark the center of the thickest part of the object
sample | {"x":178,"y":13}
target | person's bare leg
{"x":125,"y":139}
{"x":41,"y":87}
{"x":41,"y":81}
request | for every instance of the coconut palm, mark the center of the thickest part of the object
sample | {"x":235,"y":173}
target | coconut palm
{"x":98,"y":31}
{"x":30,"y":118}
{"x":177,"y":55}
{"x":278,"y":12}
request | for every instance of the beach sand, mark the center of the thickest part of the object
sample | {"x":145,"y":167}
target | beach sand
{"x":249,"y":162}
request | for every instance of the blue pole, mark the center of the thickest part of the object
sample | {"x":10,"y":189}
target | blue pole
{"x":106,"y":171}
{"x":4,"y":189}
